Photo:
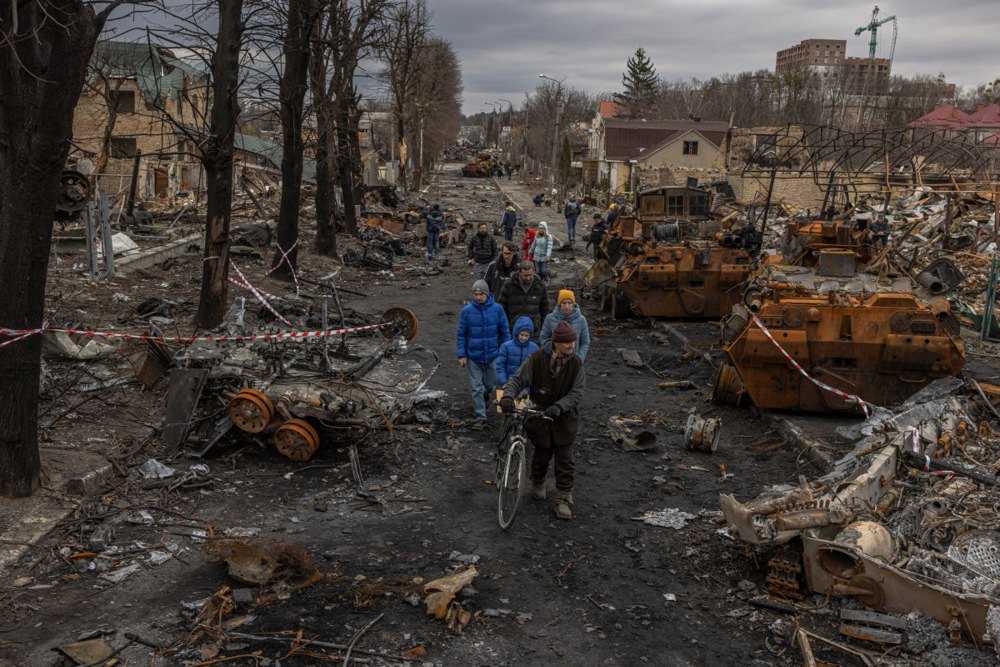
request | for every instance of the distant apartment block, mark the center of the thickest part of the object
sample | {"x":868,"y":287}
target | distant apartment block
{"x":828,"y":59}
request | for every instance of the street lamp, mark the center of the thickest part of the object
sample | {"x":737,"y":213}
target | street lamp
{"x":555,"y":139}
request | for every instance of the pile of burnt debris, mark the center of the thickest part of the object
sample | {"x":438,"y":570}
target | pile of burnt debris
{"x":291,"y":390}
{"x":906,"y":524}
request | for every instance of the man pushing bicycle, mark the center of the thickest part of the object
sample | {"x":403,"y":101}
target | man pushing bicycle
{"x":555,"y":383}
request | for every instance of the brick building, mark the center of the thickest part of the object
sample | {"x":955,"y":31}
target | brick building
{"x":827,"y":58}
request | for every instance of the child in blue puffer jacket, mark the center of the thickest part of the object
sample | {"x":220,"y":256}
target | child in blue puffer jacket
{"x":516,"y":350}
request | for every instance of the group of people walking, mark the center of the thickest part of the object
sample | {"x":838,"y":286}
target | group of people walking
{"x":497,"y":345}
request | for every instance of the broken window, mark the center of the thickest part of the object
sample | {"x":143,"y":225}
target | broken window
{"x":123,"y":147}
{"x":699,"y":205}
{"x":690,"y":148}
{"x":123,"y":101}
{"x":675,"y":204}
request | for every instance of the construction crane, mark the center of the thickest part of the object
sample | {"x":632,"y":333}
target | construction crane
{"x":873,"y":27}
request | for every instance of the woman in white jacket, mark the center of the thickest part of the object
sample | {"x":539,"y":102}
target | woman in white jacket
{"x":541,"y":250}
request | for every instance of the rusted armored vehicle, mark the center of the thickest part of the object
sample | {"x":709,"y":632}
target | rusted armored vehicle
{"x":802,"y":242}
{"x":669,"y":259}
{"x":879,"y":341}
{"x":482,"y":167}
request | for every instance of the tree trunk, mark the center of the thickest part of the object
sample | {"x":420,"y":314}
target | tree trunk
{"x":217,"y":158}
{"x":292,"y":91}
{"x":42,"y":71}
{"x":400,"y":134}
{"x":326,"y":230}
{"x":344,"y":169}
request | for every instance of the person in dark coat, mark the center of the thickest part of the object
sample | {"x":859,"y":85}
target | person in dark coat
{"x":509,"y":222}
{"x":555,"y":381}
{"x":435,"y":225}
{"x":502,"y":268}
{"x":524,"y":294}
{"x":571,"y":212}
{"x":482,"y":329}
{"x":482,"y":250}
{"x":538,"y":199}
{"x":597,"y":231}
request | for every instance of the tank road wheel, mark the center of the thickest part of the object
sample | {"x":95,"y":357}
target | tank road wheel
{"x":297,"y":439}
{"x":620,"y":308}
{"x":402,"y":322}
{"x":251,"y":410}
{"x":728,"y":388}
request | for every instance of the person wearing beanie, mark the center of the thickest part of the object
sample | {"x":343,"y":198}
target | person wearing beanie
{"x":482,"y":329}
{"x":568,"y":312}
{"x":509,"y":222}
{"x":555,"y":381}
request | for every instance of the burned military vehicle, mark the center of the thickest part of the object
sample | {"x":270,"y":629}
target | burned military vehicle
{"x":670,"y":259}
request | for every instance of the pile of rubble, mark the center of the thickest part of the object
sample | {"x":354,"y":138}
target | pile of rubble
{"x":907,"y":522}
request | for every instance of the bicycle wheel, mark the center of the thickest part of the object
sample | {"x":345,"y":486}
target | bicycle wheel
{"x":509,"y":488}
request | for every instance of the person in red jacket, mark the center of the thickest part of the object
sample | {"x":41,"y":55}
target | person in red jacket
{"x":529,"y":238}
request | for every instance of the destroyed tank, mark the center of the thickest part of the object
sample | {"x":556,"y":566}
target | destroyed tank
{"x":877,"y":340}
{"x":803,"y":241}
{"x":670,"y":260}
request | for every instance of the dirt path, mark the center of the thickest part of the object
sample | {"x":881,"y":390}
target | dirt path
{"x":602,"y":589}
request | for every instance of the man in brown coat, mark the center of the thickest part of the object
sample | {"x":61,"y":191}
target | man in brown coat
{"x":555,"y":382}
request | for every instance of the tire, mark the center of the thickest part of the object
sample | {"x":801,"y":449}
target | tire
{"x":509,"y":486}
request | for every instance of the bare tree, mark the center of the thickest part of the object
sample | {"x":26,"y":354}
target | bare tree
{"x":221,"y":52}
{"x":322,"y":93}
{"x":435,"y":103}
{"x":45,"y":46}
{"x":407,"y":25}
{"x":301,"y":20}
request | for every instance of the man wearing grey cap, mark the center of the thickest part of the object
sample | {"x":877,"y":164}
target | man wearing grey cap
{"x":482,"y":329}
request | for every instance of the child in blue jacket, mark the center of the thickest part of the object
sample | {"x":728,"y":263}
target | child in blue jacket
{"x":516,"y":350}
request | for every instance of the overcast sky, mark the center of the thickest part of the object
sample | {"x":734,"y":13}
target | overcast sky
{"x":504,"y":44}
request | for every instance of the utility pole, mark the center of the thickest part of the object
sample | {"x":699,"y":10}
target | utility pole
{"x":555,"y":139}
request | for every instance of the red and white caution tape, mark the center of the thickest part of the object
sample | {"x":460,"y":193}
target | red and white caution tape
{"x":24,"y":333}
{"x":257,"y":294}
{"x":849,"y":398}
{"x":277,"y":336}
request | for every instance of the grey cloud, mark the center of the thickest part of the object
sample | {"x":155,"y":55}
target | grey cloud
{"x":504,"y":44}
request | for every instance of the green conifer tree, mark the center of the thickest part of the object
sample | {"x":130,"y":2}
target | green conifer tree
{"x":640,"y":83}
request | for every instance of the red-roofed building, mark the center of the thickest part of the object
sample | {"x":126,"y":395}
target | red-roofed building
{"x":986,"y":116}
{"x":609,"y":109}
{"x":944,"y":116}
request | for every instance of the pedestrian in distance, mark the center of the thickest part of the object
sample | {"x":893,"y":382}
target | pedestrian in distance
{"x":509,"y":222}
{"x":597,"y":231}
{"x":567,"y":311}
{"x":482,"y":250}
{"x":529,"y":238}
{"x":571,"y":212}
{"x":538,"y":199}
{"x":541,"y":250}
{"x":525,"y":294}
{"x":555,"y":381}
{"x":482,"y":329}
{"x":502,"y":268}
{"x":435,"y":225}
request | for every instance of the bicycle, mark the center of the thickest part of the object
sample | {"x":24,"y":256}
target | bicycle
{"x":510,"y":472}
